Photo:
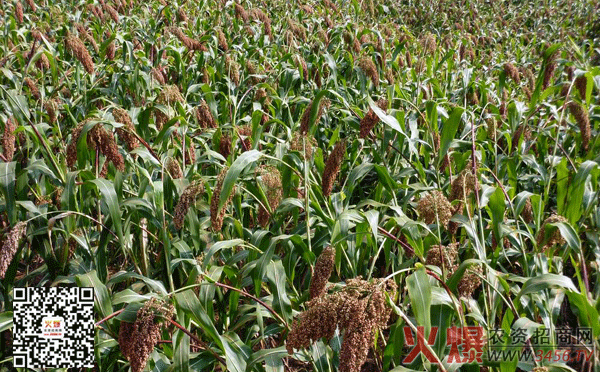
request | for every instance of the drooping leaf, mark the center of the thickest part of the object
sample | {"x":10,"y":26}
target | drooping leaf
{"x":7,"y":182}
{"x":101,"y":295}
{"x":419,"y":291}
{"x":234,"y":172}
{"x":449,"y":129}
{"x":546,"y":281}
{"x":109,"y":197}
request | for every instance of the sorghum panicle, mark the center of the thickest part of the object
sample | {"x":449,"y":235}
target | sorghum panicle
{"x":8,"y":139}
{"x":188,"y":197}
{"x":583,"y":121}
{"x":300,"y":141}
{"x":359,"y":310}
{"x":527,"y":212}
{"x":35,"y":92}
{"x":368,"y":67}
{"x":581,"y":85}
{"x":112,"y":12}
{"x":19,"y":11}
{"x":270,"y":178}
{"x":443,"y":256}
{"x":205,"y":116}
{"x":77,"y":48}
{"x":371,"y":119}
{"x":240,"y":12}
{"x":463,"y":184}
{"x":127,"y":132}
{"x":232,"y":69}
{"x":297,"y":29}
{"x":549,"y":70}
{"x":137,"y":340}
{"x":221,"y":40}
{"x":217,"y":215}
{"x":434,"y":207}
{"x":188,"y":42}
{"x":332,"y":167}
{"x":322,"y":272}
{"x":158,"y":76}
{"x":245,"y":136}
{"x":173,"y":168}
{"x":110,"y":48}
{"x":258,"y":15}
{"x":225,"y":145}
{"x":470,"y":281}
{"x":305,"y":121}
{"x":51,"y":107}
{"x":302,"y":64}
{"x":31,"y":5}
{"x":10,"y":244}
{"x":511,"y":71}
{"x":556,"y":238}
{"x":84,"y":33}
{"x":169,"y":95}
{"x":97,"y":138}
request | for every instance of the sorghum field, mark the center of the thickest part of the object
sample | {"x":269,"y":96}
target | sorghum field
{"x":351,"y":185}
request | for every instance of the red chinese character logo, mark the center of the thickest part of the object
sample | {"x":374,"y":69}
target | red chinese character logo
{"x":471,"y":338}
{"x":474,"y":342}
{"x":454,"y":339}
{"x":419,"y":346}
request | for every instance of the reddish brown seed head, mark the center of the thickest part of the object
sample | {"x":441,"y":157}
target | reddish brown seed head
{"x":77,"y":48}
{"x":543,"y":241}
{"x":19,"y":12}
{"x":240,"y":12}
{"x":218,"y":214}
{"x":581,"y":85}
{"x":10,"y":244}
{"x":305,"y":121}
{"x":188,"y":42}
{"x":188,"y":197}
{"x":332,"y":167}
{"x":583,"y":121}
{"x":370,"y":69}
{"x":512,"y":72}
{"x":127,"y":132}
{"x":371,"y":119}
{"x":322,"y":272}
{"x":204,"y":116}
{"x":8,"y":139}
{"x":434,"y":207}
{"x":270,"y":180}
